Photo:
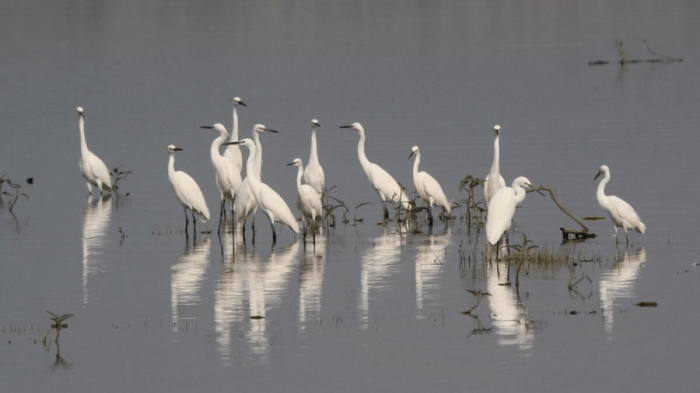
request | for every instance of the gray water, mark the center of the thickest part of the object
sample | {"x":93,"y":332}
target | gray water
{"x":370,"y":308}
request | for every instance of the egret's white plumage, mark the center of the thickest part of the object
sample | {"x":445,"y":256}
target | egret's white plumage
{"x":313,"y":173}
{"x":427,"y":187}
{"x":308,"y":199}
{"x":92,"y":167}
{"x":502,"y":208}
{"x":621,"y":212}
{"x":381,"y":180}
{"x":245,"y":203}
{"x":228,"y":178}
{"x":233,"y":152}
{"x":491,"y":187}
{"x":268,"y":199}
{"x":187,"y":191}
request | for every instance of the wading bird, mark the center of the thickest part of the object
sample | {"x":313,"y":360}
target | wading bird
{"x":228,"y":178}
{"x":233,"y":152}
{"x":491,"y":187}
{"x":621,"y":213}
{"x":381,"y":180}
{"x":308,"y":200}
{"x":313,"y":173}
{"x":92,"y":167}
{"x":268,"y":199}
{"x":427,"y":187}
{"x":187,"y":192}
{"x":502,"y":208}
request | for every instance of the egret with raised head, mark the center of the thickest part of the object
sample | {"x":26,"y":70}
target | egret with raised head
{"x":187,"y":192}
{"x":313,"y":173}
{"x":381,"y":180}
{"x":427,"y":187}
{"x":491,"y":187}
{"x":621,"y":212}
{"x":228,"y":178}
{"x":91,"y":166}
{"x":233,"y":152}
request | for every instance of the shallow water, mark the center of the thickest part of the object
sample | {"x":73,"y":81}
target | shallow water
{"x":370,"y":308}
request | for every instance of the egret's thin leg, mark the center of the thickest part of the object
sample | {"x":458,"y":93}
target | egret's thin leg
{"x":430,"y":215}
{"x":89,"y":186}
{"x":187,"y":220}
{"x":194,"y":222}
{"x":274,"y":233}
{"x":386,"y":212}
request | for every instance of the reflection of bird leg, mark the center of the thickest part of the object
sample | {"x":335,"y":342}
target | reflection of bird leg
{"x":430,"y":215}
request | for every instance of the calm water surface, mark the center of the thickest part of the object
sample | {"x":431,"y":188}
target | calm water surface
{"x":370,"y":308}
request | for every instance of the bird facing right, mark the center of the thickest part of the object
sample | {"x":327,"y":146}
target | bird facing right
{"x":187,"y":192}
{"x":427,"y":187}
{"x":621,"y":212}
{"x":502,"y":208}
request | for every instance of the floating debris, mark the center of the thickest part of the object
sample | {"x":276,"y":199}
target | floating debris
{"x":646,"y":304}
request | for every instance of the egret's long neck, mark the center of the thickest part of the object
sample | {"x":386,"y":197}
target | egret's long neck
{"x":313,"y":156}
{"x":83,"y":142}
{"x":519,"y":194}
{"x":415,"y":165}
{"x":496,"y":158}
{"x":361,"y":151}
{"x":600,"y":194}
{"x":300,"y":174}
{"x":258,"y":155}
{"x":171,"y":165}
{"x":215,"y":153}
{"x":253,"y":179}
{"x":234,"y":130}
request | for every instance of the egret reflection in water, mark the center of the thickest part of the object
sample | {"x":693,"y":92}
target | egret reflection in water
{"x":311,"y":281}
{"x":430,"y":259}
{"x":187,"y":276}
{"x":96,"y":217}
{"x":380,"y":261}
{"x":618,"y":282}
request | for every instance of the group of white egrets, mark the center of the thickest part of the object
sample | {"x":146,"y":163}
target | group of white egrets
{"x":244,"y":195}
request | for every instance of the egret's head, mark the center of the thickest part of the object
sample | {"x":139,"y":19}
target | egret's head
{"x":603,"y":170}
{"x":218,"y":127}
{"x":521,"y":181}
{"x":414,"y":151}
{"x":354,"y":126}
{"x":296,"y":162}
{"x":261,"y":128}
{"x":80,"y":111}
{"x":247,"y":142}
{"x":237,"y":101}
{"x":497,"y":130}
{"x":173,"y":149}
{"x":315,"y":123}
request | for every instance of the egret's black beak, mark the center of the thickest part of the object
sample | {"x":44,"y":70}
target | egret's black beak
{"x":599,"y":173}
{"x":290,"y":164}
{"x":177,"y":149}
{"x":207,"y":127}
{"x":411,"y":155}
{"x":242,"y":103}
{"x":348,"y":126}
{"x":232,"y":143}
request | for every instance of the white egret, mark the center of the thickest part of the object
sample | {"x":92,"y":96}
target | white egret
{"x":187,"y":192}
{"x":233,"y":152}
{"x":245,"y":202}
{"x":502,"y":208}
{"x":313,"y":174}
{"x":490,"y":188}
{"x":621,"y":213}
{"x":92,"y":167}
{"x":268,"y":199}
{"x":381,"y":180}
{"x":308,"y":200}
{"x":427,"y":187}
{"x":228,"y":178}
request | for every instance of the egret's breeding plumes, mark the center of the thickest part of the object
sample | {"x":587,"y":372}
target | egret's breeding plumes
{"x":228,"y":178}
{"x":491,"y":187}
{"x":427,"y":187}
{"x":502,"y":208}
{"x":381,"y":180}
{"x":187,"y":192}
{"x":621,"y":213}
{"x":268,"y":199}
{"x":313,"y":173}
{"x":233,"y":152}
{"x":91,"y":166}
{"x":308,"y":200}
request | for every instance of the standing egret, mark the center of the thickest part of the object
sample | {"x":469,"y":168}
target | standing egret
{"x":381,"y":180}
{"x":427,"y":187}
{"x":246,"y":203}
{"x":308,"y":200}
{"x":490,"y":188}
{"x":621,"y":213}
{"x":92,"y":167}
{"x":187,"y":192}
{"x":233,"y":152}
{"x":228,"y":178}
{"x":313,"y":174}
{"x":268,"y":199}
{"x":502,"y":208}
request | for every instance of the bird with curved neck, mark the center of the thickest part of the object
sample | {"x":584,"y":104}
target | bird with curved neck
{"x":92,"y":168}
{"x":622,"y":213}
{"x":245,"y":203}
{"x":308,"y":200}
{"x":228,"y":179}
{"x":427,"y":187}
{"x":381,"y":180}
{"x":268,"y":199}
{"x":491,"y":187}
{"x":187,"y":192}
{"x":313,"y":174}
{"x":233,"y":152}
{"x":502,"y":208}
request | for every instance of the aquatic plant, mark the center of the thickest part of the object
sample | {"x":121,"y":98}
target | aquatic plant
{"x":57,"y":322}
